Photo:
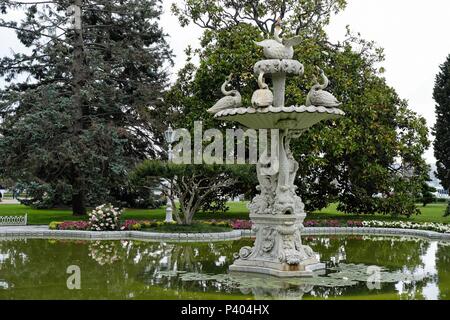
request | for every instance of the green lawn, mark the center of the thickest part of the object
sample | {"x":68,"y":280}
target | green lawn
{"x":238,"y":210}
{"x":431,"y":213}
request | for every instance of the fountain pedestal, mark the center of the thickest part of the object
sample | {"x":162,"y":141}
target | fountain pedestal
{"x":278,"y":212}
{"x":278,"y":249}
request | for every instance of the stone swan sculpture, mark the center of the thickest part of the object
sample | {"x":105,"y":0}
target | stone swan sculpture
{"x":262,"y":97}
{"x":232,"y":98}
{"x":279,"y":48}
{"x":320,"y":98}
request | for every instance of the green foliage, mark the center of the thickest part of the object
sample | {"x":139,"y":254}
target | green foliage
{"x":304,"y":16}
{"x":131,"y":196}
{"x":370,"y":161}
{"x":54,"y":225}
{"x":442,"y":128}
{"x":195,"y":186}
{"x":45,"y":196}
{"x":80,"y":109}
{"x":447,"y":211}
{"x":428,"y":194}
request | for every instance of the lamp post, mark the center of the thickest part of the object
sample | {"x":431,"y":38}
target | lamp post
{"x":169,"y":134}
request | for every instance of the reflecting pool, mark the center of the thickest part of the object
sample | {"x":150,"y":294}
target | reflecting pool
{"x":358,"y":267}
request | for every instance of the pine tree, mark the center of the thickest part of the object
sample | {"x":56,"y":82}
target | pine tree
{"x":89,"y":107}
{"x":442,"y":128}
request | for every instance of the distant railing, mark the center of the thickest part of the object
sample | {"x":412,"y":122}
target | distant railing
{"x":13,"y":220}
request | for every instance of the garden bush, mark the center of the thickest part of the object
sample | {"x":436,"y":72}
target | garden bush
{"x":105,"y":218}
{"x":447,"y":212}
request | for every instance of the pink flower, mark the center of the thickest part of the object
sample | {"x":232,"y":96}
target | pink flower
{"x":241,"y":224}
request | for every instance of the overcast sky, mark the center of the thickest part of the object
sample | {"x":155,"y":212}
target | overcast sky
{"x":414,"y":34}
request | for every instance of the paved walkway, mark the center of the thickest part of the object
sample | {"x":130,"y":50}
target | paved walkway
{"x":9,"y":201}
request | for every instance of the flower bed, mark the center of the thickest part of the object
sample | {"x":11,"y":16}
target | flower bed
{"x":247,"y":224}
{"x":442,"y":228}
{"x":70,"y":225}
{"x":241,"y":224}
{"x":438,"y":227}
{"x":332,"y":224}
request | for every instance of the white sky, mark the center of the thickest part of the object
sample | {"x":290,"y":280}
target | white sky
{"x":414,"y":34}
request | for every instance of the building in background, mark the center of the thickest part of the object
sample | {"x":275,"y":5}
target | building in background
{"x":440,"y":193}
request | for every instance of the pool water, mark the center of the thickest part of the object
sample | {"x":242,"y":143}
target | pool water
{"x":358,"y":267}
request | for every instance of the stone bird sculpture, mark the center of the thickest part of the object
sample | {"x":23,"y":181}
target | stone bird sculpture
{"x":279,"y":48}
{"x":262,"y":97}
{"x":318,"y":97}
{"x":232,"y":98}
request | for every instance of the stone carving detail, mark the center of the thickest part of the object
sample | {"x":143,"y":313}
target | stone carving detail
{"x":278,"y":191}
{"x":272,"y":66}
{"x":262,"y":97}
{"x":232,"y":98}
{"x":245,"y":252}
{"x":279,"y":48}
{"x":319,"y":97}
{"x":268,"y":241}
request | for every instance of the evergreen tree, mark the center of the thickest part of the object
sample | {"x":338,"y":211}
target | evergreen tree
{"x":82,"y":105}
{"x":442,"y":128}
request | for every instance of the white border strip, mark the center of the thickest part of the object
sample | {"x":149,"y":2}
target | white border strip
{"x":42,"y":232}
{"x":39,"y":233}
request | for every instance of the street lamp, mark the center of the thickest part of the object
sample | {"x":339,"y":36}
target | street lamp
{"x":169,"y":134}
{"x":170,"y":138}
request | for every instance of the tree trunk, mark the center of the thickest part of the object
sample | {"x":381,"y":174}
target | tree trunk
{"x":78,"y":198}
{"x":79,"y":80}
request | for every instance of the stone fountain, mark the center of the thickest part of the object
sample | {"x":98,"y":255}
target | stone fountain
{"x":278,"y":212}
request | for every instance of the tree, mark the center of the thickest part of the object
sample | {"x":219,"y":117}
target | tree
{"x":441,"y":129}
{"x":371,"y":160}
{"x":447,"y":211}
{"x":192,"y":185}
{"x":83,"y":104}
{"x":428,"y":196}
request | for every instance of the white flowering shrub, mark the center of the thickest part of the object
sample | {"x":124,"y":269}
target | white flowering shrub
{"x":438,"y":227}
{"x":105,"y":218}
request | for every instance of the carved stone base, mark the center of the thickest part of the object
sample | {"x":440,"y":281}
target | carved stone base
{"x":281,"y":270}
{"x":278,"y":249}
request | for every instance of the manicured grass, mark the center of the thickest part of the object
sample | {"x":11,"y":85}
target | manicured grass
{"x":238,"y":210}
{"x":431,"y":213}
{"x":40,"y":217}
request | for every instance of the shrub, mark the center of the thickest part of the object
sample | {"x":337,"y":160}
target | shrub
{"x":136,"y":226}
{"x":131,"y":225}
{"x":69,"y":225}
{"x":54,"y":225}
{"x":74,"y":225}
{"x":241,"y":224}
{"x":105,"y":218}
{"x":447,"y":212}
{"x":355,"y":224}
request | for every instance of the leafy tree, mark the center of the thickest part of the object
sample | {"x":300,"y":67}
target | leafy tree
{"x":371,"y":160}
{"x":442,"y":128}
{"x":83,"y":104}
{"x":193,"y":185}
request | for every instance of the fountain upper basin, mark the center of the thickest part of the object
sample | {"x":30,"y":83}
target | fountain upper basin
{"x":294,"y":117}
